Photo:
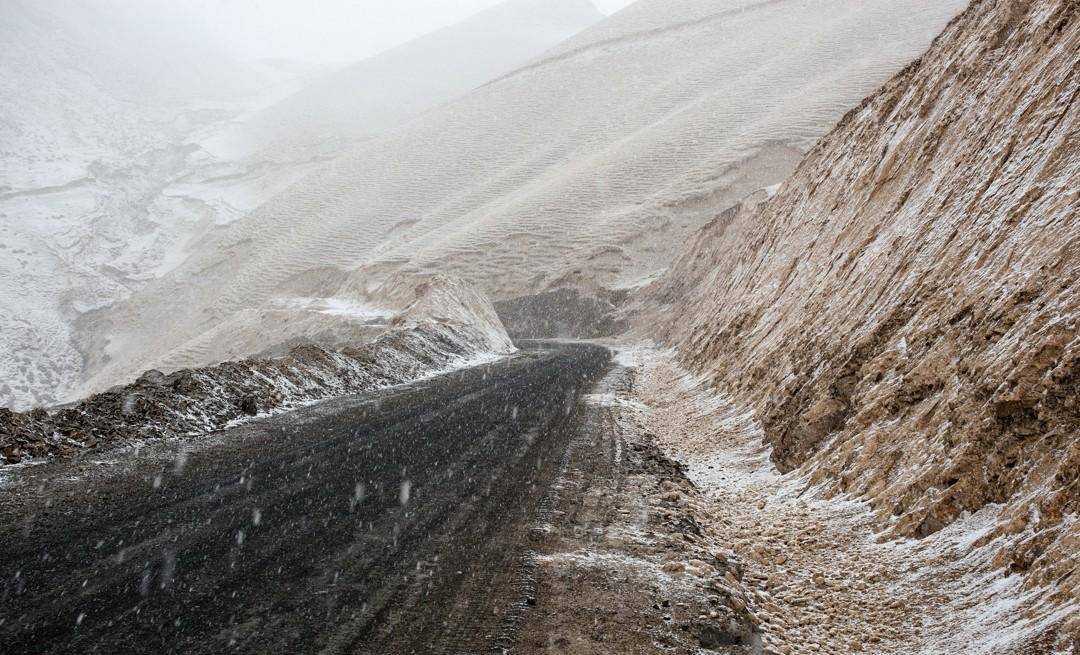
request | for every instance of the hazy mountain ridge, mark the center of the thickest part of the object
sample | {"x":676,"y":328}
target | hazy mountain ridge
{"x":586,"y":170}
{"x":373,"y":95}
{"x":902,"y":314}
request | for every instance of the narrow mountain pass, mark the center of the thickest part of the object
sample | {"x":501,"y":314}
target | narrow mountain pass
{"x":394,"y":522}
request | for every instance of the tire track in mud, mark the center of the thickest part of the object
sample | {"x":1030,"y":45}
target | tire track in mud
{"x":621,"y":565}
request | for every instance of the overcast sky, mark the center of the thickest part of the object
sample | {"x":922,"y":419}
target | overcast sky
{"x":328,"y":31}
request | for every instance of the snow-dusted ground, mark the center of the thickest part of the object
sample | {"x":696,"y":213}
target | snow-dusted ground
{"x":830,"y":583}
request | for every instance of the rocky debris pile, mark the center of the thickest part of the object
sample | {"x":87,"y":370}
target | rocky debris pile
{"x":563,"y":313}
{"x":451,"y":300}
{"x":192,"y":401}
{"x":903,"y":315}
{"x":680,"y":513}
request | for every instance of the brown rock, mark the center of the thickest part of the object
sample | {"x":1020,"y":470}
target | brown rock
{"x":12,"y":454}
{"x":249,"y":405}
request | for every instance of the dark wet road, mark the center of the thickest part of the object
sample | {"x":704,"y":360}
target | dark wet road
{"x":392,"y":523}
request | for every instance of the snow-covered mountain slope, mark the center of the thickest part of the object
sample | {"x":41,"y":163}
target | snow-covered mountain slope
{"x":94,"y":98}
{"x":586,"y":167}
{"x":373,"y":95}
{"x":83,"y":85}
{"x":113,"y":120}
{"x":904,"y":314}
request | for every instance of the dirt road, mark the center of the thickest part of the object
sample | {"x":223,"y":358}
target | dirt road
{"x":393,"y":523}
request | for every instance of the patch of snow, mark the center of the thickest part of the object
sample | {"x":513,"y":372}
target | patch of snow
{"x":611,"y":400}
{"x":635,"y":355}
{"x":335,"y":307}
{"x":634,"y":282}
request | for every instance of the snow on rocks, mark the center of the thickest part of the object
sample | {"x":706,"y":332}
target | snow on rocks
{"x":452,"y":301}
{"x":821,"y":578}
{"x":448,"y":326}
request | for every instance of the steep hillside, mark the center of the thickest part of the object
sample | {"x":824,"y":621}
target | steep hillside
{"x":584,"y":168}
{"x":904,"y":314}
{"x":373,"y":95}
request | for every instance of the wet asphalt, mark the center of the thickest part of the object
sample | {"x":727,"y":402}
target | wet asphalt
{"x":394,"y":522}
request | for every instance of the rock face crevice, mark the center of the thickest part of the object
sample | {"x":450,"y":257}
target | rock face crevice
{"x":903,"y":313}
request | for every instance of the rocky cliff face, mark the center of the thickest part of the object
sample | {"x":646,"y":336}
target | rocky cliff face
{"x":903,"y":313}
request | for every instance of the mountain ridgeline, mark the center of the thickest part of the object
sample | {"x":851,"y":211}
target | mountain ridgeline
{"x":586,"y":167}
